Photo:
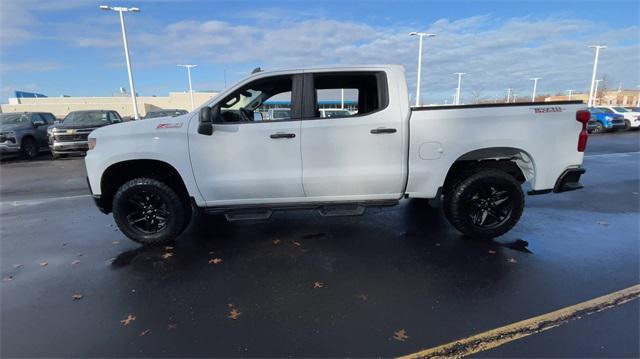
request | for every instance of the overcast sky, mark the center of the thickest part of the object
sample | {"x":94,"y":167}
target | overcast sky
{"x":71,"y":47}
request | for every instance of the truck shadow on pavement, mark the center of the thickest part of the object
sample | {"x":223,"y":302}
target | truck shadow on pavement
{"x":413,"y":236}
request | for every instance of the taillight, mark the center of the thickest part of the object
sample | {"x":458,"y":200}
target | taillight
{"x":92,"y":143}
{"x":583,"y":117}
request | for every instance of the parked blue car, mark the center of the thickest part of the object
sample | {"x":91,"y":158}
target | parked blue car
{"x":606,"y":120}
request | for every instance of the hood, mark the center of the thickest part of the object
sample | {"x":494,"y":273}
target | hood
{"x":13,"y":127}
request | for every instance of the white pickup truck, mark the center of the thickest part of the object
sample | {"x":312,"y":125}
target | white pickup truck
{"x":473,"y":159}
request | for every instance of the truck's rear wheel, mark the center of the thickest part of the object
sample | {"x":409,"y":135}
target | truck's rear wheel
{"x":486,"y":204}
{"x":149,"y":211}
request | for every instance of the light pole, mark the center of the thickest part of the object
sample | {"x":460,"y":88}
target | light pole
{"x":570,"y":93}
{"x":458,"y":89}
{"x":638,"y":101}
{"x":595,"y":93}
{"x":420,"y":35}
{"x":121,"y":10}
{"x":189,"y":67}
{"x":535,"y":87}
{"x":593,"y":76}
{"x":509,"y":95}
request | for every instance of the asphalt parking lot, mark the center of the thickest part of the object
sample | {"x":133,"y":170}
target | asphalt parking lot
{"x":304,"y":285}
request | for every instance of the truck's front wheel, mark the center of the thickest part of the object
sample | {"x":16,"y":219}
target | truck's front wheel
{"x":149,"y":211}
{"x":486,"y":204}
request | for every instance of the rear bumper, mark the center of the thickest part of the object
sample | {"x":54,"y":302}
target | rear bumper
{"x":569,"y":180}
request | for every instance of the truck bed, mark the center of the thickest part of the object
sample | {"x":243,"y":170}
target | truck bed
{"x":441,"y":135}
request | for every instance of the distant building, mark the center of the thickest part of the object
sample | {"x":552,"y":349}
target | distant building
{"x":61,"y":106}
{"x":620,"y":98}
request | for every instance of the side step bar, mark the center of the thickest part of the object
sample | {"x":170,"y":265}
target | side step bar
{"x":261,"y":212}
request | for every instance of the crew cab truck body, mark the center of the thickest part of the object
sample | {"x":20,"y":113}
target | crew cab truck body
{"x":151,"y":174}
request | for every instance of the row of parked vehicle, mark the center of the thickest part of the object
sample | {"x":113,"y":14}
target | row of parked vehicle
{"x":613,"y":118}
{"x":29,"y":133}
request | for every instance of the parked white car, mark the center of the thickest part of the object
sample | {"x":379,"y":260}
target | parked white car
{"x":631,"y":119}
{"x":474,"y":158}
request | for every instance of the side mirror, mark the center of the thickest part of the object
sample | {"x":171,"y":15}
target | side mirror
{"x":206,"y":118}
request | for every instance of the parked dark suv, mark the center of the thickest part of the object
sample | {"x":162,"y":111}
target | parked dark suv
{"x":71,"y":135}
{"x":24,"y":133}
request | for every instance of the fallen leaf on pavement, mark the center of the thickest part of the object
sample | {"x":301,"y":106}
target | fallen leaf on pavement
{"x":277,"y":241}
{"x":145,"y":332}
{"x":400,"y":335}
{"x":318,"y":285}
{"x":77,"y":296}
{"x":75,"y":261}
{"x":167,"y":255}
{"x":126,"y":321}
{"x":44,"y":264}
{"x":295,"y":243}
{"x":234,"y":314}
{"x":215,"y":261}
{"x":512,"y":260}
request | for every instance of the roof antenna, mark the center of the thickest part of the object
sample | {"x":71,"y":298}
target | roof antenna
{"x":256,"y":70}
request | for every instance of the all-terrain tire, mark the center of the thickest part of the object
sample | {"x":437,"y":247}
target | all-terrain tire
{"x":464,"y":203}
{"x":160,"y":198}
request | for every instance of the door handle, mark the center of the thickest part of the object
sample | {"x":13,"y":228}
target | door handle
{"x":282,"y":135}
{"x":380,"y":130}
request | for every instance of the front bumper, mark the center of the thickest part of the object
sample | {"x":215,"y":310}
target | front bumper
{"x":9,"y":147}
{"x":618,"y":125}
{"x":97,"y":199}
{"x":70,"y":147}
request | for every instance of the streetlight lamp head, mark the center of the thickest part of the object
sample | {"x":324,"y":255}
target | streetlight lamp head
{"x":413,"y":33}
{"x":134,"y":9}
{"x":104,"y":7}
{"x":597,"y":46}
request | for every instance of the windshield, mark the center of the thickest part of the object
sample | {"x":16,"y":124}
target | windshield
{"x":87,"y":119}
{"x":12,"y":118}
{"x":621,"y":109}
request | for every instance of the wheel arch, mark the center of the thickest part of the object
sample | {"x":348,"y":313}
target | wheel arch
{"x":515,"y":161}
{"x":118,"y":173}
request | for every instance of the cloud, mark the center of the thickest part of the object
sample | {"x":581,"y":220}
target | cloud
{"x":30,"y":67}
{"x":495,"y":53}
{"x":18,"y":18}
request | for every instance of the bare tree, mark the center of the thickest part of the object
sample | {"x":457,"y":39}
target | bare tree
{"x":603,"y":87}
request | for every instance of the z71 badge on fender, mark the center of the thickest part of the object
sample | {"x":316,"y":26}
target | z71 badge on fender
{"x":169,"y":125}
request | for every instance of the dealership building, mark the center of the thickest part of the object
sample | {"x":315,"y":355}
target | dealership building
{"x":61,"y":106}
{"x":627,"y":98}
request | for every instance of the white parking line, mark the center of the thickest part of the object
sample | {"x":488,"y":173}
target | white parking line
{"x":617,"y":154}
{"x":31,"y":202}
